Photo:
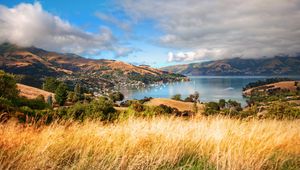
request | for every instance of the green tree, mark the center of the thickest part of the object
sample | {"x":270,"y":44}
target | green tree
{"x":78,"y":93}
{"x":212,"y":108}
{"x":116,"y":96}
{"x":222,"y":103}
{"x":8,"y":86}
{"x":61,"y":94}
{"x":176,"y":97}
{"x":49,"y":100}
{"x":51,"y":84}
{"x":193,"y":97}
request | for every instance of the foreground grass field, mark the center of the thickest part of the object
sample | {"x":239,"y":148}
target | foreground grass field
{"x":156,"y":143}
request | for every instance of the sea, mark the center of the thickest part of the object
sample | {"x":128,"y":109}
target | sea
{"x":210,"y":88}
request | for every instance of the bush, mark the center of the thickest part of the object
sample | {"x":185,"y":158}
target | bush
{"x":212,"y":108}
{"x":127,"y":103}
{"x":137,"y":107}
{"x":78,"y":93}
{"x":8,"y":86}
{"x":222,"y":103}
{"x":163,"y":109}
{"x":283,"y":110}
{"x":104,"y":107}
{"x":27,"y":111}
{"x":234,"y":104}
{"x":51,"y":84}
{"x":101,"y":109}
{"x":116,"y":96}
{"x":61,"y":94}
{"x":193,"y":97}
{"x":230,"y":108}
{"x":176,"y":97}
{"x":31,"y":103}
{"x":145,"y":99}
{"x":5,"y":105}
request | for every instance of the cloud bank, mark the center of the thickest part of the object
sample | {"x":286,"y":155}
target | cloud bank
{"x":213,"y":29}
{"x":29,"y":25}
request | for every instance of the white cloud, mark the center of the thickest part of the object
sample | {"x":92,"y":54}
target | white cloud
{"x":200,"y":54}
{"x":28,"y":24}
{"x":223,"y":29}
{"x":125,"y":25}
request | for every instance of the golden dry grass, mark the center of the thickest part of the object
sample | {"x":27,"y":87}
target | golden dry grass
{"x":157,"y":143}
{"x":180,"y":105}
{"x":32,"y":92}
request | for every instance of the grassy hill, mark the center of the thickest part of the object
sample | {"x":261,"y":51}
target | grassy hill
{"x":279,"y":65}
{"x":32,"y":92}
{"x":283,"y":85}
{"x":180,"y":105}
{"x":35,"y":64}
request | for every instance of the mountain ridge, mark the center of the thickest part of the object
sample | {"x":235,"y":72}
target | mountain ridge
{"x":278,"y":65}
{"x":35,"y":64}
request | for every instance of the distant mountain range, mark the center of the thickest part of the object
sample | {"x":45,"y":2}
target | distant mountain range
{"x":279,"y":65}
{"x":34,"y":64}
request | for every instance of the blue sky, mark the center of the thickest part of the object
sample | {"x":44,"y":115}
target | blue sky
{"x":157,"y":33}
{"x":82,"y":14}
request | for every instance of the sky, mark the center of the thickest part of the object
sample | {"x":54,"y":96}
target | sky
{"x":155,"y":32}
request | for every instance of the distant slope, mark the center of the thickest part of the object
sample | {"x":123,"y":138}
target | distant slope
{"x":35,"y":64}
{"x":289,"y":85}
{"x":280,"y":65}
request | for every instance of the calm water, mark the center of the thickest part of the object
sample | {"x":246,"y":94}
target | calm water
{"x":211,"y":88}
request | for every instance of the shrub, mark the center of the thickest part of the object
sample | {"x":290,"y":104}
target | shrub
{"x":61,"y":94}
{"x":186,"y":113}
{"x":283,"y":110}
{"x":176,"y":97}
{"x":145,"y":99}
{"x":222,"y":103}
{"x":78,"y":93}
{"x":104,"y":107}
{"x":51,"y":84}
{"x":101,"y":108}
{"x":8,"y":86}
{"x":27,"y":110}
{"x":127,"y":103}
{"x":31,"y":103}
{"x":193,"y":97}
{"x":71,"y":96}
{"x":212,"y":108}
{"x":234,"y":104}
{"x":137,"y":107}
{"x":5,"y":105}
{"x":116,"y":96}
{"x":163,"y":109}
